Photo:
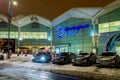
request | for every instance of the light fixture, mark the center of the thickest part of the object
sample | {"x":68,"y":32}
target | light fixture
{"x":15,"y":2}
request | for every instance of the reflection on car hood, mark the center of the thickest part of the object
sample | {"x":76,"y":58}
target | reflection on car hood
{"x":39,"y":56}
{"x":56,"y":58}
{"x":59,"y":57}
{"x":82,"y":57}
{"x":106,"y":58}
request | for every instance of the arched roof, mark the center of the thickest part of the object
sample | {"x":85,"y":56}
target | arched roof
{"x":86,"y":12}
{"x":49,"y":9}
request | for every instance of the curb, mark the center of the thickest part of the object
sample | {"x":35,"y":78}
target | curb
{"x":88,"y":75}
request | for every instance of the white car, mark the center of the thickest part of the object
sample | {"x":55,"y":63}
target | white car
{"x":108,"y":59}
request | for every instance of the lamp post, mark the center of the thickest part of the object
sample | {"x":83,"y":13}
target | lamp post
{"x":9,"y":22}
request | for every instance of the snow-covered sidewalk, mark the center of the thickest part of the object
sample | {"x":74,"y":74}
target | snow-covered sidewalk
{"x":88,"y":72}
{"x":91,"y":72}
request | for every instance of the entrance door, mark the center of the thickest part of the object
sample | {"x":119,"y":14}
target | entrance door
{"x":62,"y":48}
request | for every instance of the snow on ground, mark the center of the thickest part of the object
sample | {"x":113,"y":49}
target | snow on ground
{"x":68,"y":67}
{"x":22,"y":73}
{"x":22,"y":64}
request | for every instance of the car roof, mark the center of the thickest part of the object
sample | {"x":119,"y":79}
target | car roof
{"x":109,"y":52}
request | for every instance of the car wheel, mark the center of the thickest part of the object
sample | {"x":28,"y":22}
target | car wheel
{"x":117,"y":63}
{"x":89,"y":63}
{"x":64,"y":61}
{"x":74,"y":64}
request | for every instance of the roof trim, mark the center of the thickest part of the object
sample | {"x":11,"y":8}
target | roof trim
{"x":27,"y":20}
{"x":112,"y":6}
{"x":3,"y":18}
{"x":76,"y":13}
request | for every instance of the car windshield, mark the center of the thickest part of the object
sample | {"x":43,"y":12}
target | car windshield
{"x":40,"y":53}
{"x":84,"y":54}
{"x":64,"y":54}
{"x":108,"y":54}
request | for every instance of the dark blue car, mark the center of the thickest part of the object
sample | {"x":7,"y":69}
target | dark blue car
{"x":42,"y":57}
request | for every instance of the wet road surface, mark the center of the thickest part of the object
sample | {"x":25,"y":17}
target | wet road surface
{"x":12,"y":73}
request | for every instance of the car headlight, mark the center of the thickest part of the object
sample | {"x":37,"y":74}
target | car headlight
{"x":42,"y":58}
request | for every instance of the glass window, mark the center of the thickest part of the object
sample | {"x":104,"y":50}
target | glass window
{"x":3,"y":34}
{"x":34,"y":35}
{"x":16,"y":34}
{"x":104,"y":25}
{"x":12,"y":34}
{"x":103,"y":30}
{"x":26,"y":35}
{"x":29,"y":35}
{"x":37,"y":36}
{"x":43,"y":35}
{"x":114,"y":26}
{"x":115,"y":23}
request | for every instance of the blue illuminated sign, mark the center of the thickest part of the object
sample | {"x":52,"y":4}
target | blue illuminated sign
{"x":60,"y":31}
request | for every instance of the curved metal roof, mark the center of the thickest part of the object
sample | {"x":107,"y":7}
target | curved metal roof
{"x":89,"y":11}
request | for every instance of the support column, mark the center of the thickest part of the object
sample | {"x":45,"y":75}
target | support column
{"x":51,"y":46}
{"x":18,"y":36}
{"x":94,"y":40}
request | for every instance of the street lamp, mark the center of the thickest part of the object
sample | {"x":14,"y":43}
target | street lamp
{"x":9,"y":22}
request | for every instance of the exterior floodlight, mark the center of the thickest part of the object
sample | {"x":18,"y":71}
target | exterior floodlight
{"x":15,"y":2}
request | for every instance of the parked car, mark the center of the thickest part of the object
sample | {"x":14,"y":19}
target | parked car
{"x":84,"y":58}
{"x":42,"y":57}
{"x":63,"y":58}
{"x":108,"y":59}
{"x":72,"y":55}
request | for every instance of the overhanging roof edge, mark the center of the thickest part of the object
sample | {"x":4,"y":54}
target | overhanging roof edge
{"x":69,"y":14}
{"x":28,"y":19}
{"x":110,"y":7}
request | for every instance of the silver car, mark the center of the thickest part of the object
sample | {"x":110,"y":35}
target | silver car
{"x":108,"y":59}
{"x":84,"y":58}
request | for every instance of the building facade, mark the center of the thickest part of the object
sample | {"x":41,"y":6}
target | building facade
{"x":109,"y":31}
{"x":73,"y":35}
{"x":33,"y":34}
{"x":74,"y":31}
